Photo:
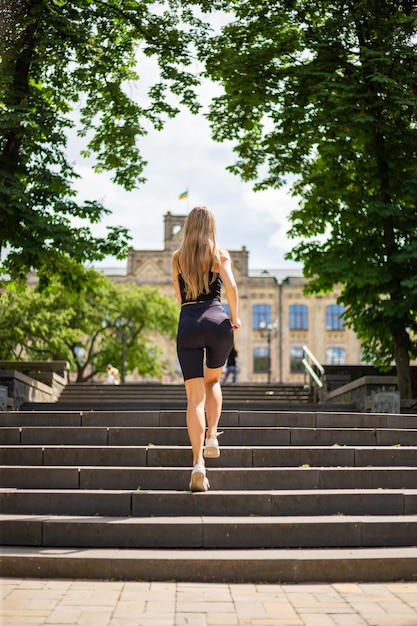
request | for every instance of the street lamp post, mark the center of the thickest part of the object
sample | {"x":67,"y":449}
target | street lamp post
{"x":268,"y":337}
{"x":121,"y":324}
{"x":122,"y":373}
{"x":268,"y":327}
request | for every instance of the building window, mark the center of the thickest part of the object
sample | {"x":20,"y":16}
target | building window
{"x":335,"y":356}
{"x":334,"y":317}
{"x":296,"y":357}
{"x":298,"y":317}
{"x":261,"y":316}
{"x":260,"y":360}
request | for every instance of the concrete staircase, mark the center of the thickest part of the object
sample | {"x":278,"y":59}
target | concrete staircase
{"x":156,"y":396}
{"x":295,"y":496}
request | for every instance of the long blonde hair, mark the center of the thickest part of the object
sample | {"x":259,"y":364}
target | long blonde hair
{"x":198,"y":253}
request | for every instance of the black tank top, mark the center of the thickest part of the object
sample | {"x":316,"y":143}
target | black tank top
{"x":214,"y":292}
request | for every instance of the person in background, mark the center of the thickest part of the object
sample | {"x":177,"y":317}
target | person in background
{"x":205,"y":332}
{"x":231,"y":367}
{"x":113,"y":376}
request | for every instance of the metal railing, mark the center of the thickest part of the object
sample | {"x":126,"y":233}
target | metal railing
{"x":315,"y":371}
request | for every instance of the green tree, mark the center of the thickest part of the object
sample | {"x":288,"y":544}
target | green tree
{"x":67,"y":64}
{"x":325,"y":94}
{"x":85,"y":328}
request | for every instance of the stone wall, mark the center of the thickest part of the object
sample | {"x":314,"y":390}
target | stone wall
{"x":32,"y":381}
{"x":365,"y":393}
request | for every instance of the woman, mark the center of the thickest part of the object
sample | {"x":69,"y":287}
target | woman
{"x":205,"y":333}
{"x":113,"y":376}
{"x":231,"y":367}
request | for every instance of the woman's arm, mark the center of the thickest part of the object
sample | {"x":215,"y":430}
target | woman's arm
{"x":175,"y":278}
{"x":226,"y":274}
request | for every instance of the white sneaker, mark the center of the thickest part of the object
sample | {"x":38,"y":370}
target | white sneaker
{"x":199,"y":480}
{"x":211,"y":449}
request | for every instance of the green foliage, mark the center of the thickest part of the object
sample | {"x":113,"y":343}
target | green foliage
{"x":326,"y":93}
{"x":85,"y":327}
{"x":68,"y":64}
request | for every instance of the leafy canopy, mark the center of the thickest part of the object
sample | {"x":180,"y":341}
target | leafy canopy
{"x":73,"y":65}
{"x":325,"y":94}
{"x":85,"y":328}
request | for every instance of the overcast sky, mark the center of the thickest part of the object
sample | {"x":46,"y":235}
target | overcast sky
{"x":184,"y":157}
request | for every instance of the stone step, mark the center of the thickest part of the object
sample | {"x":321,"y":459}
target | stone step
{"x":105,"y":493}
{"x":221,"y":478}
{"x":46,"y":407}
{"x":158,"y":405}
{"x":157,"y":396}
{"x":240,"y":566}
{"x":236,"y":456}
{"x":249,"y":436}
{"x":122,"y":395}
{"x":170,"y":388}
{"x":147,"y":503}
{"x":209,"y":532}
{"x":237,"y":419}
{"x":77,"y":392}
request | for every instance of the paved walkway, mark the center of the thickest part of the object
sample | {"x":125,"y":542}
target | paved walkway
{"x":107,"y":603}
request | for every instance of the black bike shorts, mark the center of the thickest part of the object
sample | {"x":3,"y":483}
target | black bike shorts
{"x":203,"y":328}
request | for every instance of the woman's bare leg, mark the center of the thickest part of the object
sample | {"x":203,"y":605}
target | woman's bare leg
{"x":214,"y":399}
{"x":196,"y":423}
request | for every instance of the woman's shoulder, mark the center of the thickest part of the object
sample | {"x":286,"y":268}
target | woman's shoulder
{"x":224,"y":255}
{"x":174,"y":259}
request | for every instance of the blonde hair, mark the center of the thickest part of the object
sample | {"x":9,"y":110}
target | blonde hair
{"x":198,"y":253}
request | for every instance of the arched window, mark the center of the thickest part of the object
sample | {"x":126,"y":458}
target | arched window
{"x":260,"y":360}
{"x":334,"y":317}
{"x":296,"y":357}
{"x":261,"y":316}
{"x":298,"y":317}
{"x":335,"y":356}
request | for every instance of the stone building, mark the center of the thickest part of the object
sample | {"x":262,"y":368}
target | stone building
{"x":278,"y":319}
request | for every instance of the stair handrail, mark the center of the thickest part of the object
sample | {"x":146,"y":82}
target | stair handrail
{"x":316,"y":375}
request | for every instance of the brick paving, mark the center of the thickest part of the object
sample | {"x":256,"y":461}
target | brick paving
{"x":48,"y":602}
